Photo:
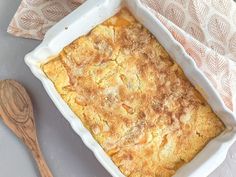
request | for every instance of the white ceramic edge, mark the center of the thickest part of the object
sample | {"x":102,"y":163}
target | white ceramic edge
{"x":195,"y":75}
{"x":46,"y":49}
{"x":53,"y":43}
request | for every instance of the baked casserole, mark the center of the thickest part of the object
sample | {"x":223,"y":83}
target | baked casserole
{"x":133,"y":98}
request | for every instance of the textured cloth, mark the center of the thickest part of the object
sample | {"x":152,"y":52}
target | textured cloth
{"x":206,"y":29}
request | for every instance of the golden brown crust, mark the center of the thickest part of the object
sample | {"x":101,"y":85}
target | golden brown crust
{"x":133,"y":98}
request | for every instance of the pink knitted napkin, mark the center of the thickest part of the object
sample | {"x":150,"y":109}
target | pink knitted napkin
{"x":206,"y":29}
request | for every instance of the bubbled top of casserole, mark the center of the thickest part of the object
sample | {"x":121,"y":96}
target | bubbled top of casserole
{"x":133,"y":98}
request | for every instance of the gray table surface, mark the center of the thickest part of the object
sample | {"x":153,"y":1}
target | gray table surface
{"x":64,"y":151}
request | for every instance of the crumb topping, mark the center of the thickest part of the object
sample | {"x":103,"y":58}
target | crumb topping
{"x":133,"y":98}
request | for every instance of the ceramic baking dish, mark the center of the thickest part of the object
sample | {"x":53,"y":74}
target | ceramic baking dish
{"x":94,"y":12}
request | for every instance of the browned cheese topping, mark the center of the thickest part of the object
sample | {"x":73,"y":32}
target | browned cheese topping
{"x":133,"y":98}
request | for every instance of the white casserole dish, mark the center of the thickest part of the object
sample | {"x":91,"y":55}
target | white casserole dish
{"x":92,"y":13}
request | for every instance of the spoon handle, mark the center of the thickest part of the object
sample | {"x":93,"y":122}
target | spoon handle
{"x":42,"y":165}
{"x":30,"y":139}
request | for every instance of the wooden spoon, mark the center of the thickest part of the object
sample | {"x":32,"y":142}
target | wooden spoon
{"x":16,"y":111}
